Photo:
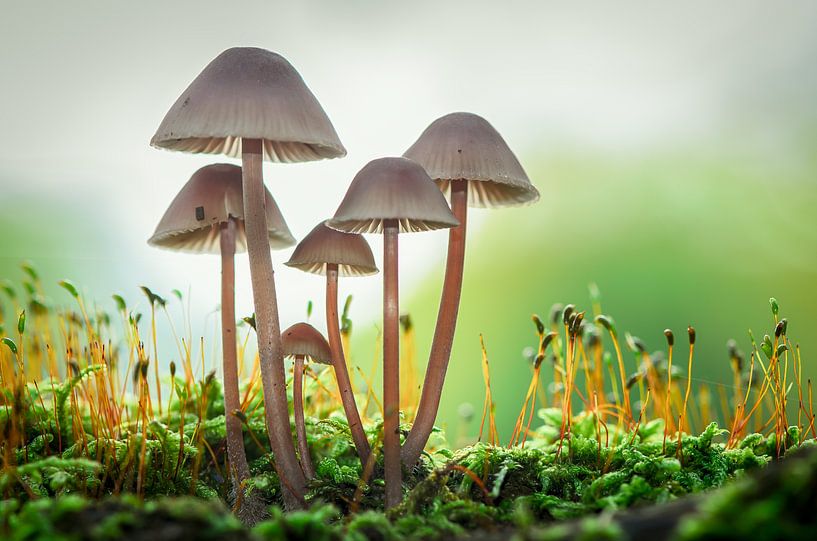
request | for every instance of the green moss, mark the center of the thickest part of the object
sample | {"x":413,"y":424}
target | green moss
{"x":66,"y":475}
{"x":524,"y":488}
{"x":72,"y":518}
{"x":763,"y":507}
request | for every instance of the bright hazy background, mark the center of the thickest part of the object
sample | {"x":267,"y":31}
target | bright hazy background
{"x":674,"y":146}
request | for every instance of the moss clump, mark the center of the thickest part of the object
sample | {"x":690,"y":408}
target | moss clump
{"x":71,"y":518}
{"x":778,"y":503}
{"x":86,"y":453}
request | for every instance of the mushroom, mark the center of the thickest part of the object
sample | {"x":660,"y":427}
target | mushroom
{"x":251,"y":103}
{"x":206,"y":217}
{"x":391,"y":196}
{"x":473,"y":165}
{"x":300,"y":341}
{"x":332,"y":253}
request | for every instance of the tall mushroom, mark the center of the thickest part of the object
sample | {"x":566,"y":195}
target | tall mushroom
{"x":251,"y":103}
{"x":207,"y":217}
{"x":302,"y":341}
{"x":473,"y":165}
{"x":391,"y":196}
{"x":332,"y":253}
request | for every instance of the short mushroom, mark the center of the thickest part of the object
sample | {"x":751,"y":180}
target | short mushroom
{"x":471,"y":162}
{"x":207,"y":217}
{"x":252,"y":103}
{"x":332,"y":253}
{"x":392,"y":196}
{"x":302,"y":341}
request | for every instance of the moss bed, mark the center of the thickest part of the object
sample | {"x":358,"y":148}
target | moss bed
{"x":583,"y":490}
{"x":86,"y":452}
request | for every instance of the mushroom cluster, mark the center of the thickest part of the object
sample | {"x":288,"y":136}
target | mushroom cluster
{"x":252,"y":104}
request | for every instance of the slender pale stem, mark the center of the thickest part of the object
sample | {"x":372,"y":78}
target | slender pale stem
{"x":239,"y":469}
{"x":444,"y":332}
{"x":273,"y":377}
{"x":298,"y":408}
{"x":688,"y":390}
{"x":347,"y":396}
{"x":391,"y":368}
{"x":155,"y":355}
{"x":625,"y":391}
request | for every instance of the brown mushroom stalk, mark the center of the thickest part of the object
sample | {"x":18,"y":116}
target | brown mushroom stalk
{"x":239,"y":469}
{"x":250,"y":508}
{"x":391,"y":367}
{"x":392,"y":196}
{"x":298,"y":412}
{"x":347,"y":395}
{"x":467,"y":158}
{"x":268,"y":328}
{"x":443,"y":332}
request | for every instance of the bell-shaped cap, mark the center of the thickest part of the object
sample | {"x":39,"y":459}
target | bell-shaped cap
{"x":304,"y":339}
{"x":324,"y":246}
{"x":392,"y":189}
{"x":212,"y":196}
{"x":465,"y":146}
{"x":250,"y":93}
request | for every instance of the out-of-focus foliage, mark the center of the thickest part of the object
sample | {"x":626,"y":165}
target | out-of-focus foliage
{"x":699,"y":235}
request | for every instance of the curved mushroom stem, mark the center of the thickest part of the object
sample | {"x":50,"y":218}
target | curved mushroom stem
{"x":444,"y":332}
{"x":347,"y":396}
{"x":298,"y":408}
{"x":239,"y":469}
{"x":273,"y":377}
{"x":391,"y":368}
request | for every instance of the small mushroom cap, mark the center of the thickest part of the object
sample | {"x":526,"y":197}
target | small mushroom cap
{"x":252,"y":93}
{"x":304,"y":339}
{"x":392,"y":189}
{"x":465,"y":146}
{"x":212,"y":196}
{"x":324,"y":245}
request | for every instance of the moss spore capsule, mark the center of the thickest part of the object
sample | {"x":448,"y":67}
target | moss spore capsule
{"x":540,"y":327}
{"x":775,"y":306}
{"x":607,"y":323}
{"x":556,"y":313}
{"x":568,"y":311}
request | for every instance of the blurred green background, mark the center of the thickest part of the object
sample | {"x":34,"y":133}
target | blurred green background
{"x":691,"y":236}
{"x":675,"y":148}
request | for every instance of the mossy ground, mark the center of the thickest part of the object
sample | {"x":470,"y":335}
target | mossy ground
{"x":480,"y":489}
{"x":89,"y":454}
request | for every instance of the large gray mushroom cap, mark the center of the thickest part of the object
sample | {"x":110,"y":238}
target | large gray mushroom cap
{"x":324,"y":246}
{"x":304,"y":339}
{"x":392,"y":189}
{"x":249,"y":93}
{"x":465,"y":146}
{"x":212,"y":196}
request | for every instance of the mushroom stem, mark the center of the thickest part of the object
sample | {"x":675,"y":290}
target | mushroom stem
{"x":273,"y":377}
{"x":239,"y":470}
{"x":347,"y":396}
{"x":298,"y":408}
{"x":391,"y":367}
{"x":443,"y":333}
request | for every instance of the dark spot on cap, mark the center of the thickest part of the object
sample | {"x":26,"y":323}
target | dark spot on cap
{"x":199,"y":213}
